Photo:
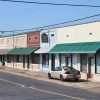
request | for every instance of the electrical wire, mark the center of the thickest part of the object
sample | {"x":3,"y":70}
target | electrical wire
{"x":53,"y":25}
{"x":72,"y":21}
{"x":47,"y":3}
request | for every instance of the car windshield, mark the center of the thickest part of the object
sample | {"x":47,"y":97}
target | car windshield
{"x":68,"y":68}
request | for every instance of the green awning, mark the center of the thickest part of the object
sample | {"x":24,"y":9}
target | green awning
{"x":4,"y":51}
{"x":87,"y":47}
{"x":22,"y":51}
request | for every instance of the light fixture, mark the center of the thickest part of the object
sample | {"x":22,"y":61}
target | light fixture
{"x":90,"y":33}
{"x":67,"y":35}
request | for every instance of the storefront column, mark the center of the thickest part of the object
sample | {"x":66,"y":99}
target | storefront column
{"x":63,"y":63}
{"x":41,"y":68}
{"x":50,"y":62}
{"x":57,"y":63}
{"x":74,"y":61}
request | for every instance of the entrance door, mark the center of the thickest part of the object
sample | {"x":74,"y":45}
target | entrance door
{"x":68,"y":61}
{"x":91,"y":67}
{"x":28,"y":62}
{"x":52,"y":62}
{"x":23,"y":61}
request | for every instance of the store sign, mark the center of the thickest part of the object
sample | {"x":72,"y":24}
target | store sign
{"x":44,"y":38}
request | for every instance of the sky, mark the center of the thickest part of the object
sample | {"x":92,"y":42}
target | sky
{"x":19,"y":16}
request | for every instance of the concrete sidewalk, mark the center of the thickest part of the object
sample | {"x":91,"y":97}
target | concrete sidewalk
{"x":23,"y":72}
{"x":83,"y":84}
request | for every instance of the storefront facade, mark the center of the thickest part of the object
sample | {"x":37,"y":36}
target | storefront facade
{"x":77,"y":46}
{"x":17,"y":51}
{"x":47,"y":41}
{"x":84,"y":57}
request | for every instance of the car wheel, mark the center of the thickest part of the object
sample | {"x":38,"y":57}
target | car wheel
{"x":61,"y":78}
{"x":49,"y":76}
{"x":76,"y":79}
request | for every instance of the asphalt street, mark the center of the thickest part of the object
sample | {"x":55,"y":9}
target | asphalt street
{"x":14,"y":87}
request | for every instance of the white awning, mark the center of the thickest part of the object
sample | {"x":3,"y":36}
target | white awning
{"x":43,"y":50}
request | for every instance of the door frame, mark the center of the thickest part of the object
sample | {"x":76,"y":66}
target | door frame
{"x":67,"y":58}
{"x":90,"y":74}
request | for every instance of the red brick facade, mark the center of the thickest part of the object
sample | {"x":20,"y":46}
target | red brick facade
{"x":33,"y":39}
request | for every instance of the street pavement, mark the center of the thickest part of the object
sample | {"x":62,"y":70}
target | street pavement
{"x":82,"y":84}
{"x":15,"y":87}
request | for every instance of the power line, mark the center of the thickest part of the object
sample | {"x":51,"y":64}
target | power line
{"x":47,"y":3}
{"x":72,"y":21}
{"x":46,"y":27}
{"x":53,"y":25}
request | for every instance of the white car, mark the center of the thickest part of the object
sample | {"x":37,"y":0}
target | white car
{"x":64,"y":72}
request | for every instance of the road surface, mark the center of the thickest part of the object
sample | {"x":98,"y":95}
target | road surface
{"x":14,"y":87}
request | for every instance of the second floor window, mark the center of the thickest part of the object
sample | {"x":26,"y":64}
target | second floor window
{"x":44,"y":38}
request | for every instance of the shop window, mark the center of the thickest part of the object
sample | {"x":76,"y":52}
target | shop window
{"x":35,"y":59}
{"x":0,"y":58}
{"x":83,"y":62}
{"x":17,"y":58}
{"x":68,"y":61}
{"x":98,"y":64}
{"x":8,"y":59}
{"x":45,"y":59}
{"x":60,"y":59}
{"x":53,"y":62}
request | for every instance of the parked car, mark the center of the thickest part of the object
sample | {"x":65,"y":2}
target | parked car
{"x":64,"y":72}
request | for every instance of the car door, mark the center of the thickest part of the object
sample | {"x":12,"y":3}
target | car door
{"x":56,"y":72}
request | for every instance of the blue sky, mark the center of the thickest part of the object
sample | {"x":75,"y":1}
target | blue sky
{"x":23,"y":16}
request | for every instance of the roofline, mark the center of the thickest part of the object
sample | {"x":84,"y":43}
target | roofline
{"x":89,"y":22}
{"x":51,"y":28}
{"x":20,"y":33}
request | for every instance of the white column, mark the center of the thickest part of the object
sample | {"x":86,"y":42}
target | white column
{"x":50,"y":62}
{"x":63,"y":63}
{"x":74,"y":61}
{"x":57,"y":63}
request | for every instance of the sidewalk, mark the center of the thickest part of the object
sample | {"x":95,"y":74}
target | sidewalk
{"x":82,"y":84}
{"x":23,"y":72}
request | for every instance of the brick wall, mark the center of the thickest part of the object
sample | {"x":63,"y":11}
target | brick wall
{"x":33,"y":39}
